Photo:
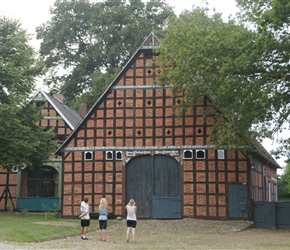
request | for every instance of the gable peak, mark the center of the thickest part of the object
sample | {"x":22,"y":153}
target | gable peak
{"x":150,"y":42}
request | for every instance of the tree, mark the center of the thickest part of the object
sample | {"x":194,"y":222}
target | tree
{"x":211,"y":57}
{"x":270,"y":19}
{"x":86,"y":39}
{"x":284,"y":184}
{"x":22,"y":143}
{"x":229,"y":62}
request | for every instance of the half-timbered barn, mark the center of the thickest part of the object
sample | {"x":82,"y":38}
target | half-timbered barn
{"x":40,"y":190}
{"x":132,"y":145}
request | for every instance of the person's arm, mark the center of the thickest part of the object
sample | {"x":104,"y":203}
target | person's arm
{"x":83,"y":214}
{"x":87,"y":209}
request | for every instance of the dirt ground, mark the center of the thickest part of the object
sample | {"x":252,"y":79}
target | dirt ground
{"x":172,"y":234}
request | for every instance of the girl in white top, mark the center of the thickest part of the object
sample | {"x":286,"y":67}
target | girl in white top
{"x":131,"y":219}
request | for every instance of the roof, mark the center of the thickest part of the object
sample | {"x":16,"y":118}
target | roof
{"x":69,"y":115}
{"x":264,"y":153}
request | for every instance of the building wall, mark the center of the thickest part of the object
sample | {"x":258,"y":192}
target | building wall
{"x":7,"y":204}
{"x":264,"y":180}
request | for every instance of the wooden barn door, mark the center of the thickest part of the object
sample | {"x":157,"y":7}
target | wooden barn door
{"x":166,"y":188}
{"x":154,"y":183}
{"x":139,"y":184}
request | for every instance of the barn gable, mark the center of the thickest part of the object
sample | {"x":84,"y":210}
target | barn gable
{"x":133,"y":144}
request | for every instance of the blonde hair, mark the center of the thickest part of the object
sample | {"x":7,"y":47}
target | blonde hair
{"x":103,"y":202}
{"x":132,"y":202}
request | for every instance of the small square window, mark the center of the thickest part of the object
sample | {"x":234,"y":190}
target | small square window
{"x":221,"y":154}
{"x":88,"y":155}
{"x":187,"y":154}
{"x":200,"y":154}
{"x":109,"y":155}
{"x":118,"y":155}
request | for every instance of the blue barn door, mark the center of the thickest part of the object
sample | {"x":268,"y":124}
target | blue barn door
{"x":154,"y":183}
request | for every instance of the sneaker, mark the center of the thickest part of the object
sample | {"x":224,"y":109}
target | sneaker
{"x":127,"y":241}
{"x":134,"y":241}
{"x":84,"y":238}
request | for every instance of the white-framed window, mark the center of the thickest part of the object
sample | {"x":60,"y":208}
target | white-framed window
{"x":187,"y":154}
{"x":200,"y":154}
{"x":119,"y":155}
{"x":88,"y":155}
{"x":221,"y":154}
{"x":109,"y":155}
{"x":15,"y":169}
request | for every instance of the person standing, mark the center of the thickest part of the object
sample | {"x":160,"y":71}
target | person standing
{"x":85,"y":218}
{"x":131,"y":219}
{"x":103,"y":218}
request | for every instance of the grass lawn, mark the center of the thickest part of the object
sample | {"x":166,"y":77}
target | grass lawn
{"x":37,"y":227}
{"x":34,"y":227}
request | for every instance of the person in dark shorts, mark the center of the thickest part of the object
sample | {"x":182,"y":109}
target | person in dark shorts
{"x":85,"y":218}
{"x":131,"y":220}
{"x":103,"y":218}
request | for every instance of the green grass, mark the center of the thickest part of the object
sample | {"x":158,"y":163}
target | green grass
{"x":15,"y":227}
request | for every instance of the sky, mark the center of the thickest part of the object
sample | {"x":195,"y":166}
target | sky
{"x":33,"y":13}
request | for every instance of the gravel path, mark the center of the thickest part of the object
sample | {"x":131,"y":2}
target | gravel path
{"x":171,"y":234}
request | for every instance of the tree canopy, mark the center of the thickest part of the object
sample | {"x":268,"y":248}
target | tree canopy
{"x":242,"y":68}
{"x":22,"y":142}
{"x":86,"y":42}
{"x":284,"y":184}
{"x":270,"y":19}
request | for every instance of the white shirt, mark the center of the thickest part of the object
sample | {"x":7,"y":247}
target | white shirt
{"x":131,"y":213}
{"x":85,"y":209}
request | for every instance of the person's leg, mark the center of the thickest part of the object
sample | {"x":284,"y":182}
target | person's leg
{"x":104,"y":235}
{"x":127,"y":234}
{"x":104,"y":230}
{"x":100,"y":230}
{"x":133,"y":234}
{"x":134,"y":224}
{"x":85,"y":232}
{"x":86,"y":225}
